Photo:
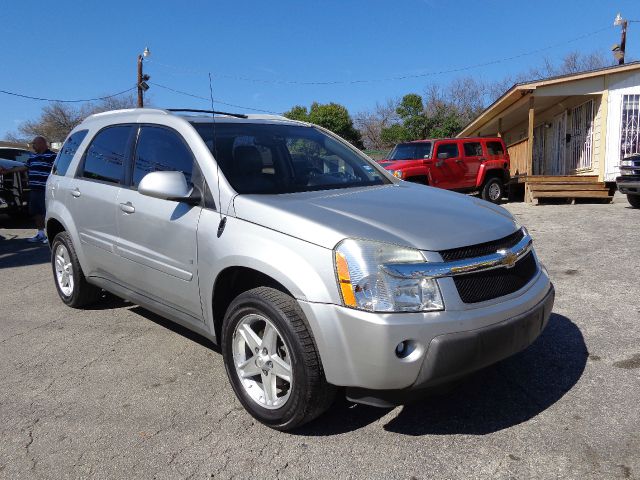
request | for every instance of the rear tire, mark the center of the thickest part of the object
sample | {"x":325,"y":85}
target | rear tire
{"x":72,"y":287}
{"x":258,"y":366}
{"x":634,"y":200}
{"x":492,"y":190}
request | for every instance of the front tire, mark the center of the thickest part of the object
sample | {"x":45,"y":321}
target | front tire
{"x":272,"y":361}
{"x":71,"y":284}
{"x":634,"y":200}
{"x":492,"y":190}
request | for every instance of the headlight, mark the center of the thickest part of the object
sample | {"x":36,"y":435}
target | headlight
{"x":397,"y":173}
{"x":365,"y":286}
{"x":626,"y":163}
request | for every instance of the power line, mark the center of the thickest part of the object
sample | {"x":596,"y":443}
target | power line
{"x":181,"y":92}
{"x":386,"y":79}
{"x":43,"y":99}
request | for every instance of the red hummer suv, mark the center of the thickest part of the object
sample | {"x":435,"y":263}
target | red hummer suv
{"x":461,"y":164}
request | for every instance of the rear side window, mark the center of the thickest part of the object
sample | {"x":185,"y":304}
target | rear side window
{"x":105,"y":158}
{"x":495,"y":148}
{"x":67,"y":152}
{"x":472,"y":149}
{"x":160,"y":149}
{"x":450,"y":149}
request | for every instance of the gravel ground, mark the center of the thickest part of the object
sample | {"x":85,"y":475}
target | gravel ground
{"x":117,"y":392}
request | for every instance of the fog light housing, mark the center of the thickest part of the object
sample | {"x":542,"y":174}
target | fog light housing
{"x":405,"y":348}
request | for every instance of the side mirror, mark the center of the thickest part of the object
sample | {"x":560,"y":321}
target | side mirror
{"x":169,"y":186}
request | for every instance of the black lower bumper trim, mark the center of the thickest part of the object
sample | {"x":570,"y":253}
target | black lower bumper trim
{"x":628,"y":184}
{"x":455,"y":355}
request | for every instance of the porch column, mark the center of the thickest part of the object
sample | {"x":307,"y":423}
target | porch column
{"x":530,"y":138}
{"x":500,"y":127}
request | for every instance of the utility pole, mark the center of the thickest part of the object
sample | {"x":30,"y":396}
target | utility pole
{"x":618,"y":50}
{"x":142,"y":79}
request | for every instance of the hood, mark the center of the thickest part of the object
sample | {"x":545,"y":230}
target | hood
{"x":407,"y":214}
{"x":400,"y":164}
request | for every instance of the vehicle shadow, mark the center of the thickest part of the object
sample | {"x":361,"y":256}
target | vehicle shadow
{"x":17,"y":252}
{"x":498,"y":397}
{"x":20,"y":253}
{"x":176,"y":328}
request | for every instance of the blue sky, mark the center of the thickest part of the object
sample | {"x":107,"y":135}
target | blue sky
{"x":64,"y":49}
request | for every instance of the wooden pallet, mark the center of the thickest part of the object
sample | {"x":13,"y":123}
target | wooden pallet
{"x":565,"y":187}
{"x":556,"y":179}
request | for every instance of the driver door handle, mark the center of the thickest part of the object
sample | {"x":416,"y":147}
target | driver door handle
{"x":127,"y":207}
{"x":459,"y":160}
{"x":76,"y":193}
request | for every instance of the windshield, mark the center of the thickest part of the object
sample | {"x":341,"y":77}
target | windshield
{"x":270,"y":158}
{"x":411,"y":151}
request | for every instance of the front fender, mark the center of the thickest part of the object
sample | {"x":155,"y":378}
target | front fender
{"x":491,"y":166}
{"x":304,"y":269}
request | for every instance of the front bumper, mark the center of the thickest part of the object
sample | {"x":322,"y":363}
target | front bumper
{"x":455,"y":355}
{"x":629,"y":184}
{"x":358,"y":348}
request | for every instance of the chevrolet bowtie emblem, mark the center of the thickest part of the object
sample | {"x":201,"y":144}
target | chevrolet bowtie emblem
{"x":509,"y":259}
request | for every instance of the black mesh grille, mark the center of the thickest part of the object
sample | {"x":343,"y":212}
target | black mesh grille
{"x":482,"y":248}
{"x":481,"y":286}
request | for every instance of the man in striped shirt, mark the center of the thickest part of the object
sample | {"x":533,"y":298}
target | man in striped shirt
{"x":39,"y":167}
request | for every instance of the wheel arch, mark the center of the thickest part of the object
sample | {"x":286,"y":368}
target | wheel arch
{"x":53,"y":228}
{"x":58,"y":220}
{"x":231,"y":282}
{"x":492,"y":172}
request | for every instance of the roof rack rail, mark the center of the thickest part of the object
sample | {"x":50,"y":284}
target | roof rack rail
{"x":237,"y":115}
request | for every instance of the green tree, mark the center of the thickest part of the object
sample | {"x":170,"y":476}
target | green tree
{"x":298,"y":112}
{"x":411,"y":112}
{"x":331,"y":116}
{"x":393,"y":134}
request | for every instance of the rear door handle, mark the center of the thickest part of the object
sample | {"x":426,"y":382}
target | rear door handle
{"x":127,"y":207}
{"x":76,"y":193}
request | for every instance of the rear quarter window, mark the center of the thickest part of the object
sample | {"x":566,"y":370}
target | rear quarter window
{"x":67,"y":152}
{"x":495,"y":148}
{"x":105,"y":158}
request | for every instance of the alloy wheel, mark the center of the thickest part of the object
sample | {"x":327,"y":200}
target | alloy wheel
{"x":64,"y":270}
{"x":495,"y":192}
{"x":262,"y":361}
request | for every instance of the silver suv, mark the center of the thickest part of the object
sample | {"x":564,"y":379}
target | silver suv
{"x":309,"y":264}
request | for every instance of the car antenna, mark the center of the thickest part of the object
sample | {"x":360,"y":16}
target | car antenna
{"x":223,"y":220}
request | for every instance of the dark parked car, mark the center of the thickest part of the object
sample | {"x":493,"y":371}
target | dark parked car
{"x":629,"y":180}
{"x":13,"y":182}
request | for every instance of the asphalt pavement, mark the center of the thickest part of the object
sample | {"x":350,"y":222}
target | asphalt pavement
{"x":118,"y":392}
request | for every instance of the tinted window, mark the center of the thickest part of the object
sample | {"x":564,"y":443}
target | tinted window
{"x":272,"y":158}
{"x":411,"y":151}
{"x":495,"y":148}
{"x":451,"y":149}
{"x":105,"y":157}
{"x":158,"y":150}
{"x":66,"y":153}
{"x":472,"y":149}
{"x":15,"y":154}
